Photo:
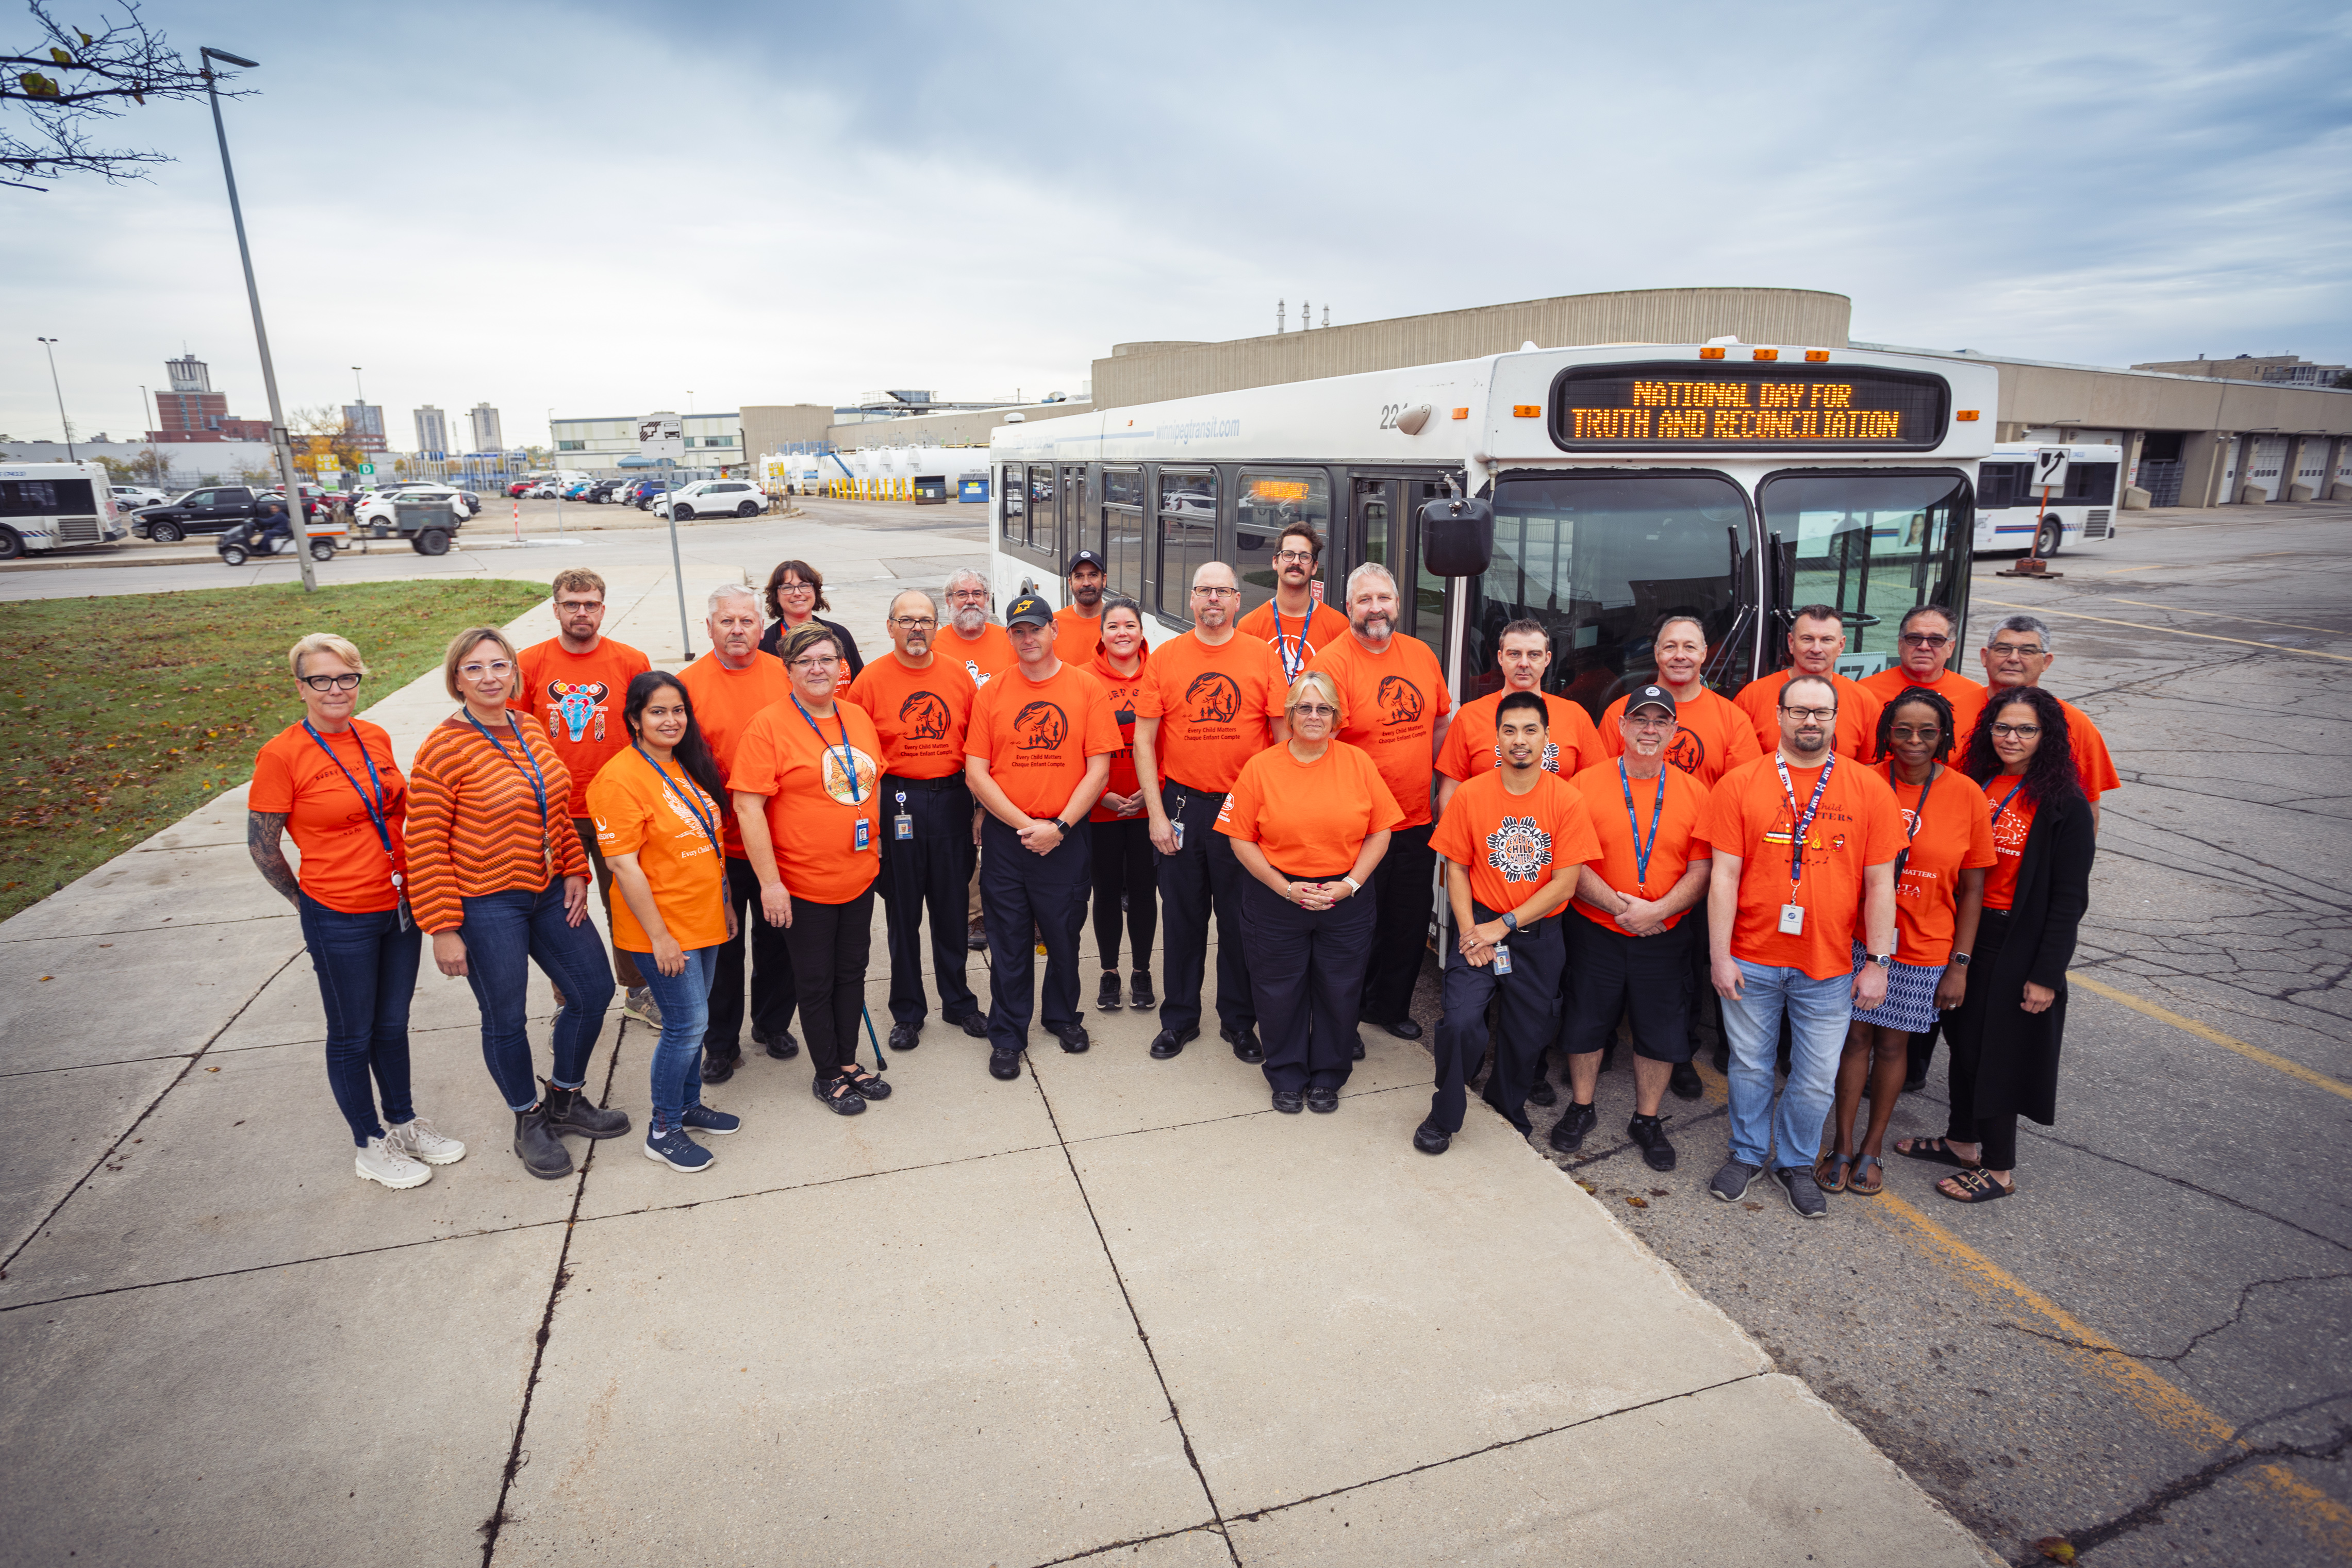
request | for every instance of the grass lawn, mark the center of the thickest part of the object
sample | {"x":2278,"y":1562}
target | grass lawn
{"x":127,"y":714}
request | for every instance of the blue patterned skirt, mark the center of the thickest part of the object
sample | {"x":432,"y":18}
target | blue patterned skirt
{"x":1910,"y":1003}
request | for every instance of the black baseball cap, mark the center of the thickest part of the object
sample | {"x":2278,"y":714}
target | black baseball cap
{"x":1029,"y":611}
{"x":1086,"y":558}
{"x":1650,"y":696}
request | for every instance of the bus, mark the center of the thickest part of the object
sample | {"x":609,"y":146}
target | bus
{"x":2010,"y":513}
{"x":54,"y":505}
{"x":1728,"y":481}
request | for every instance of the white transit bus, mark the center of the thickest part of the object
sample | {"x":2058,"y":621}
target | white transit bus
{"x":1728,"y":481}
{"x":51,"y":506}
{"x":2009,"y":511}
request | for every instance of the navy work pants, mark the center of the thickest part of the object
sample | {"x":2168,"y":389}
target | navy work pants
{"x":1307,"y":974}
{"x":929,"y":872}
{"x":772,"y":971}
{"x":1201,"y":877}
{"x":1403,"y":882}
{"x":1529,"y":1018}
{"x":1022,"y":891}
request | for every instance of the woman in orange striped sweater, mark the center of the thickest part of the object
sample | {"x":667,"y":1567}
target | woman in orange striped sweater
{"x":497,"y":877}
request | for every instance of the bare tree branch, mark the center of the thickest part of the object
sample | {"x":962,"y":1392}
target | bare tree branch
{"x":54,"y":93}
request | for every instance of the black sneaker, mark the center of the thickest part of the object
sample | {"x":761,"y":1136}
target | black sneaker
{"x":905,"y":1036}
{"x":1649,"y":1135}
{"x":1168,"y":1042}
{"x":1106,"y":999}
{"x":1568,"y":1132}
{"x":1685,"y":1082}
{"x":838,"y":1095}
{"x":975,"y":939}
{"x":974,"y":1024}
{"x":1074,"y":1038}
{"x":1289,"y":1101}
{"x":1404,"y":1028}
{"x":1432,"y":1139}
{"x":717,"y":1069}
{"x":1004,"y":1064}
{"x":570,"y":1111}
{"x":872,"y":1085}
{"x":1245,"y":1045}
{"x":1803,"y":1193}
{"x":1543,"y":1094}
{"x":783,"y":1046}
{"x":1140,"y":992}
{"x":1356,"y":1049}
{"x":1322,"y":1099}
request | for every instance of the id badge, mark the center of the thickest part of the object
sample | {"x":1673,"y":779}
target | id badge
{"x":1502,"y":958}
{"x":864,"y":833}
{"x":902,"y":828}
{"x":1177,"y":827}
{"x":407,"y":920}
{"x":1792,"y":920}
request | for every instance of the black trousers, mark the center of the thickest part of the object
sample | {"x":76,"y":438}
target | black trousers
{"x":930,"y":870}
{"x":1202,"y":878}
{"x":1614,"y":973}
{"x":830,"y":944}
{"x":1020,"y":891}
{"x":1964,"y":1032}
{"x":1122,"y":853}
{"x":1402,"y":880}
{"x":1307,"y":976}
{"x":773,"y":996}
{"x":625,"y":968}
{"x":1530,"y":1018}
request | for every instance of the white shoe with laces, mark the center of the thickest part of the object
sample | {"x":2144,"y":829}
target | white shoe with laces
{"x":379,"y":1162}
{"x":421,"y":1140}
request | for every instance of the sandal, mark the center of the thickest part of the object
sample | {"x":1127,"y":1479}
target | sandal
{"x":1867,"y":1165}
{"x":1975,"y":1187}
{"x":873,"y":1086}
{"x":1835,"y":1166}
{"x":1935,"y":1151}
{"x":838,"y":1095}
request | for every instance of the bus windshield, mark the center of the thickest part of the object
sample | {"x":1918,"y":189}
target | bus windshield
{"x":1596,"y":559}
{"x":1874,"y":544}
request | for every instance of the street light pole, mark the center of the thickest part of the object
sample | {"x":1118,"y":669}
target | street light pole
{"x":278,"y":438}
{"x":51,"y":344}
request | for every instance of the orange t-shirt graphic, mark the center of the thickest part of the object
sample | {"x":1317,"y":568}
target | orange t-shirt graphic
{"x":1212,"y":705}
{"x":1037,"y":736}
{"x":344,"y":865}
{"x":803,"y":768}
{"x":2010,"y":829}
{"x":1512,"y":845}
{"x":919,"y":714}
{"x":1395,"y":699}
{"x":1951,"y":838}
{"x":1712,"y":737}
{"x":984,"y":657}
{"x":578,"y":698}
{"x":1295,"y":640}
{"x":636,"y":813}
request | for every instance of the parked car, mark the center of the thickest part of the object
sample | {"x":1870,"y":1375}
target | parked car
{"x":544,"y":490}
{"x":635,"y":492}
{"x":212,"y":509}
{"x":127,"y":497}
{"x":713,"y":498}
{"x":379,"y":514}
{"x":578,"y":489}
{"x":520,"y":488}
{"x":602,"y":490}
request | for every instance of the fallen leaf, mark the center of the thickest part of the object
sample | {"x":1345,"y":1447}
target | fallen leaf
{"x":2056,"y":1548}
{"x":1637,"y":1202}
{"x":1750,"y":1208}
{"x":1585,"y":1184}
{"x":1657,"y":1192}
{"x":212,"y":1070}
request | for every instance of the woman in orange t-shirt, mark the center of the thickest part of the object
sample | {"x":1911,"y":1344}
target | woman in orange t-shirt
{"x":1938,"y":889}
{"x":807,"y":784}
{"x":1309,"y":820}
{"x":659,"y":826}
{"x":2005,"y":1034}
{"x":331,"y":782}
{"x":1127,"y":879}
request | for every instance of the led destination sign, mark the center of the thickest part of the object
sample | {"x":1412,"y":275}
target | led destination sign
{"x":1685,"y":407}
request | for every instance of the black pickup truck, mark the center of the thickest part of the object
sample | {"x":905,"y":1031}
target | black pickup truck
{"x":212,"y":510}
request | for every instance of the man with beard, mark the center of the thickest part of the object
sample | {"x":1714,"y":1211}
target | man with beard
{"x":919,"y":704}
{"x":1294,"y":621}
{"x":983,"y":651}
{"x":1816,"y":637}
{"x":1077,"y":625}
{"x":2017,"y":653}
{"x":1209,"y":701}
{"x":1804,"y":870}
{"x":1397,"y":707}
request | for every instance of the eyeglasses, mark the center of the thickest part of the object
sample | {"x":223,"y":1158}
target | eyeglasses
{"x":1924,"y":640}
{"x":1306,"y":557}
{"x":1314,"y":710}
{"x":914,"y":622}
{"x":1213,"y":594}
{"x":969,"y":596}
{"x":2015,"y":650}
{"x":1810,"y":714}
{"x":815,"y":661}
{"x":1926,"y":732}
{"x":2017,"y":731}
{"x":1651,"y":723}
{"x":475,"y":672}
{"x":795,"y":588}
{"x":577,"y":606}
{"x":333,"y":683}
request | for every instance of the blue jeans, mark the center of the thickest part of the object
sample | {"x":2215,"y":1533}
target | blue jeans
{"x":684,"y":1000}
{"x":1819,"y":1011}
{"x":505,"y":932}
{"x":367,"y":973}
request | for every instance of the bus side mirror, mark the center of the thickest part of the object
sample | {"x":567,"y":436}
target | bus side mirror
{"x":1457,"y":536}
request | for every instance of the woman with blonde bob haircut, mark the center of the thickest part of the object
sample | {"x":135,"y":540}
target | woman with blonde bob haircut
{"x":330,"y":781}
{"x":498,"y":877}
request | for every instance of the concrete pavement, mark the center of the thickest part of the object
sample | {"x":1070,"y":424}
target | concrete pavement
{"x":1117,"y":1307}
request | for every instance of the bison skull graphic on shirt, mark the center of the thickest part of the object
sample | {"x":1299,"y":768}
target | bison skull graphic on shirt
{"x":576,"y":706}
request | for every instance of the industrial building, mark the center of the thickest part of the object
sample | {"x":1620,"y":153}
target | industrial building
{"x":191,"y":410}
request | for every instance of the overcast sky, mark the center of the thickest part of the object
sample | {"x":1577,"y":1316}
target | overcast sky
{"x":602,"y":208}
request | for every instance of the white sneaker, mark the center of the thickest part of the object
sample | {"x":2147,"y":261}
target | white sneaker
{"x":641,"y":1007}
{"x":421,"y":1140}
{"x":381,"y":1162}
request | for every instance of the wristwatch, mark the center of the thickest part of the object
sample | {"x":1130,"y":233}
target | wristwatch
{"x":1354,"y":887}
{"x":1511,"y":921}
{"x":1884,"y":960}
{"x":1062,"y":827}
{"x":1961,"y":959}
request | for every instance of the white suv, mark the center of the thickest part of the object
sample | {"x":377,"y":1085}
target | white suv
{"x":714,"y":498}
{"x":380,"y":511}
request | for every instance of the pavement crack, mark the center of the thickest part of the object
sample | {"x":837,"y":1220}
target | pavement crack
{"x":2150,"y":1509}
{"x":2291,"y":1410}
{"x":1133,"y":1541}
{"x":2174,"y":1358}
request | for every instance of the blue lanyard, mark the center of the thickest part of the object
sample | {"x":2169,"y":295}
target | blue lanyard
{"x":1657,"y":815}
{"x":538,"y":779}
{"x":692,"y":798}
{"x":848,"y":758}
{"x":1804,"y":824}
{"x":375,"y":808}
{"x":1998,"y":811}
{"x":1290,"y":667}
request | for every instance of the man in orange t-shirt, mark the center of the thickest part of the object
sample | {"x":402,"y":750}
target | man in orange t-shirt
{"x":1210,"y":700}
{"x":921,"y":704}
{"x":574,"y":684}
{"x":1077,"y":625}
{"x":1397,"y":707}
{"x":1523,"y":652}
{"x":1036,"y":755}
{"x":1923,"y":641}
{"x":1712,"y":735}
{"x":1804,"y":864}
{"x":1514,"y":838}
{"x":730,"y":686}
{"x":1294,"y":622}
{"x":1816,"y":637}
{"x":2017,"y":653}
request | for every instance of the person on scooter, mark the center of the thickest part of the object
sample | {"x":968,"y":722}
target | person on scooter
{"x":272,"y":522}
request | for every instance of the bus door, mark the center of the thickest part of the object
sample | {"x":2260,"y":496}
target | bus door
{"x":1870,"y":544}
{"x":1383,"y":510}
{"x":1076,"y":533}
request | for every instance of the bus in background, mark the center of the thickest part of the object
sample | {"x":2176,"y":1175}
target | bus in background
{"x":1728,"y":481}
{"x":53,"y":505}
{"x":2010,"y":513}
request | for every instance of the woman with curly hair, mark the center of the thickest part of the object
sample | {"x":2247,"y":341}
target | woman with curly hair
{"x":2005,"y":1036}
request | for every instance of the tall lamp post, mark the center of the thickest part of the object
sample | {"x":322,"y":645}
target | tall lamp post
{"x":51,"y":344}
{"x":278,"y":437}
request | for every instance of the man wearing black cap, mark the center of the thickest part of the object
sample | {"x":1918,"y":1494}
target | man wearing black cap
{"x":1628,"y":940}
{"x":1077,"y":625}
{"x":1037,"y":752}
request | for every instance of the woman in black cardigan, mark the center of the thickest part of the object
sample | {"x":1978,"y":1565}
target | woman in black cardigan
{"x":2005,"y":1036}
{"x":795,"y":594}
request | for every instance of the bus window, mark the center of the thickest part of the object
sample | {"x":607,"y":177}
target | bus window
{"x":1264,"y":505}
{"x":1123,"y":530}
{"x":2000,"y":484}
{"x":1188,"y":535}
{"x":1372,"y":522}
{"x":1016,"y":509}
{"x":1073,"y":515}
{"x":1874,"y":544}
{"x":2089,"y":484}
{"x":1041,"y":515}
{"x":1598,"y":559}
{"x":1428,"y":589}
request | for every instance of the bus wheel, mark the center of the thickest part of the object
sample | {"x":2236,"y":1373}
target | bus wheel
{"x":2048,"y":537}
{"x":12,"y":544}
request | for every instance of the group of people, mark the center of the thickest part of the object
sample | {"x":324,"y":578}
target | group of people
{"x":1293,"y":776}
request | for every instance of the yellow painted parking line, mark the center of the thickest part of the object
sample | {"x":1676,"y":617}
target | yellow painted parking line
{"x":2225,"y":615}
{"x":2327,"y":1521}
{"x":2172,"y":631}
{"x":2214,"y":1036}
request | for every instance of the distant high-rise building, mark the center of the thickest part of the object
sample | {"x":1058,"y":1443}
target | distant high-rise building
{"x":363,"y":423}
{"x":192,"y":411}
{"x":189,"y":375}
{"x":484,"y":419}
{"x":432,"y":430}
